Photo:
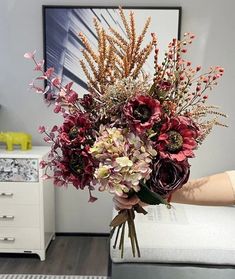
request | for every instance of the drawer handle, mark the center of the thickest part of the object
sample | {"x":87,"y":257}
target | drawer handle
{"x":6,"y":217}
{"x":7,"y":239}
{"x":6,"y":194}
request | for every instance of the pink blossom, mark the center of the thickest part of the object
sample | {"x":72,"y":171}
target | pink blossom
{"x":57,"y":108}
{"x":41,"y":129}
{"x":182,"y":77}
{"x":30,"y":55}
{"x":49,"y":97}
{"x":55,"y":128}
{"x":58,"y":182}
{"x":37,"y":89}
{"x":56,"y":82}
{"x":52,"y":135}
{"x":45,"y":176}
{"x":47,"y":139}
{"x":39,"y":66}
{"x":205,"y":79}
{"x":43,"y":164}
{"x":49,"y":72}
{"x":68,"y":86}
{"x":72,"y":97}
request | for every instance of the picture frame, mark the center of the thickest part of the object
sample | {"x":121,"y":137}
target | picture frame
{"x":62,"y":46}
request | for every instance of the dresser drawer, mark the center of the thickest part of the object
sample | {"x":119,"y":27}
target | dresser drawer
{"x":26,"y":238}
{"x":19,"y":170}
{"x":19,"y":216}
{"x":19,"y":193}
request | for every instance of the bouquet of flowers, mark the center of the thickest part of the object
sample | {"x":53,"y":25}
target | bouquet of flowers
{"x":132,"y":133}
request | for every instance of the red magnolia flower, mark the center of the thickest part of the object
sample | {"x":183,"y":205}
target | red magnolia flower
{"x":143,"y":112}
{"x":177,"y":139}
{"x":168,"y":176}
{"x":75,"y":129}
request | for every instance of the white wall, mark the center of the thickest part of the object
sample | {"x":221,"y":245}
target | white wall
{"x":212,"y":21}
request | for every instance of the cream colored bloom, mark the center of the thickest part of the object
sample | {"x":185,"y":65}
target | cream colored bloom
{"x":124,"y":159}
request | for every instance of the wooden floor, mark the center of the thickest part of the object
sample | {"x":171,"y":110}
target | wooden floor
{"x":66,"y":255}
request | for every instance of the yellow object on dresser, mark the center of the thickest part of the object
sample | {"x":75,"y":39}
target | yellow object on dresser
{"x":12,"y":138}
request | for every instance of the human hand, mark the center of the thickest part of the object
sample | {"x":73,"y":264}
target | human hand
{"x":124,"y":202}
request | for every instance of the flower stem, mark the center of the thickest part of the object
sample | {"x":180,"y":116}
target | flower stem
{"x":131,"y":233}
{"x":121,"y":246}
{"x":116,"y":239}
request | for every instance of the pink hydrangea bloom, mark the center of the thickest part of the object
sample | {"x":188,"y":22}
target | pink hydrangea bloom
{"x":124,"y":159}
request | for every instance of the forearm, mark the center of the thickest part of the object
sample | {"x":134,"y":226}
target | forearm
{"x":216,"y":189}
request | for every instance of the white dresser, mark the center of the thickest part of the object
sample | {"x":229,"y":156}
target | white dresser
{"x":27,"y":207}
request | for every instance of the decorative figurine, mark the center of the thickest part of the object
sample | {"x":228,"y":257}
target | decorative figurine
{"x":12,"y":138}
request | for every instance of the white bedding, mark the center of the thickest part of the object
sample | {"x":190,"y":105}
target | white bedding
{"x":183,"y":234}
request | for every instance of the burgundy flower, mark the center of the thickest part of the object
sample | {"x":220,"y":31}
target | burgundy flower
{"x":168,"y":176}
{"x":164,"y":85}
{"x":75,"y":129}
{"x":75,"y":167}
{"x":86,"y":101}
{"x":177,"y":139}
{"x":72,"y":97}
{"x":143,"y":112}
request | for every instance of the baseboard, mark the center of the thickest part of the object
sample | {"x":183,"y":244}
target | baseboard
{"x":82,"y":234}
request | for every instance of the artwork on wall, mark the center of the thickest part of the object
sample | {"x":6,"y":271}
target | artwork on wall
{"x":62,"y":24}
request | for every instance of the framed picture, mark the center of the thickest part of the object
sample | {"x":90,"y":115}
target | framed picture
{"x":63,"y":47}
